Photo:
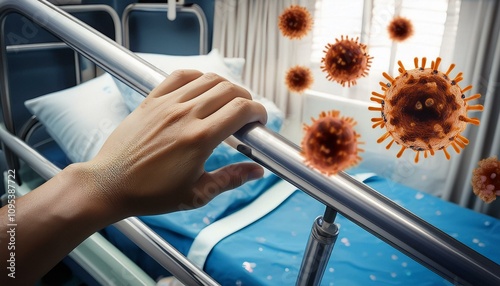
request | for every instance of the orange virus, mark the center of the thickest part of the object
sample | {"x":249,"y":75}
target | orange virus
{"x":345,"y":61}
{"x":298,"y":79}
{"x":486,"y":179}
{"x":330,"y":144}
{"x":400,"y":29}
{"x":295,"y":22}
{"x":424,"y":109}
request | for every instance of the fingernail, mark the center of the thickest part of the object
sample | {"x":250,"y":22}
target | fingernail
{"x":256,"y":173}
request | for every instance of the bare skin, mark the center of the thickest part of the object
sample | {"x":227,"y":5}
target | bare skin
{"x":152,"y":163}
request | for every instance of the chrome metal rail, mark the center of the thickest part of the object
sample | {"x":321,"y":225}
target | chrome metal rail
{"x":366,"y":207}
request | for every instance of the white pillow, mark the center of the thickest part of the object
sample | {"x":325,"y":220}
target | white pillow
{"x":82,"y":117}
{"x":212,"y":62}
{"x":235,"y":66}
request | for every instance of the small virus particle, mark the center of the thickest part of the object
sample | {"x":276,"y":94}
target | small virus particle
{"x":400,"y":29}
{"x":298,"y":79}
{"x":486,"y":179}
{"x":345,"y":61}
{"x":295,"y":22}
{"x":330,"y":144}
{"x":424,"y":109}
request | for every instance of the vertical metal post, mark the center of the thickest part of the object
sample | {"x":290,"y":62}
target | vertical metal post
{"x":319,"y":247}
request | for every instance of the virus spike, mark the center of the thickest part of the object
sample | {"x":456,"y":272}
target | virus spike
{"x":400,"y":153}
{"x":474,"y":121}
{"x":463,"y":139}
{"x":383,"y":137}
{"x":425,"y":154}
{"x":475,"y":96}
{"x":458,"y":78}
{"x":447,"y":73}
{"x":432,"y":152}
{"x":388,"y":77}
{"x":416,"y":156}
{"x":381,"y":124}
{"x":438,"y":61}
{"x":455,"y":147}
{"x":475,"y":107}
{"x":424,"y":60}
{"x":376,"y":99}
{"x":415,"y":61}
{"x":373,"y":108}
{"x":459,"y":143}
{"x":469,"y":87}
{"x":389,"y":145}
{"x":402,"y":68}
{"x":446,"y":153}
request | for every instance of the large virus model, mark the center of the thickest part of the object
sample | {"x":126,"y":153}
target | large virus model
{"x":486,"y":179}
{"x":400,"y":29}
{"x":345,"y":61}
{"x":424,"y":109}
{"x":295,"y":22}
{"x":330,"y":144}
{"x":298,"y":78}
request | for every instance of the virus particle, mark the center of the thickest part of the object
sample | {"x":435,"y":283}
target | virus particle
{"x":298,"y":79}
{"x":424,"y":109}
{"x":486,"y":179}
{"x":400,"y":29}
{"x":330,"y":144}
{"x":295,"y":22}
{"x":345,"y":61}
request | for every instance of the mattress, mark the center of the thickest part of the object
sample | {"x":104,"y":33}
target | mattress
{"x":269,"y":250}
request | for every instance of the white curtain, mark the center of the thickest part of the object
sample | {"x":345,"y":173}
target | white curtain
{"x":478,"y":51}
{"x":249,"y":29}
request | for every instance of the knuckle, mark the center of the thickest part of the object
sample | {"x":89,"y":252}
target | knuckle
{"x":227,"y":87}
{"x":182,"y":73}
{"x":241,"y":105}
{"x":210,"y":76}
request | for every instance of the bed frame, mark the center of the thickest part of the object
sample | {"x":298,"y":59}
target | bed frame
{"x":385,"y":219}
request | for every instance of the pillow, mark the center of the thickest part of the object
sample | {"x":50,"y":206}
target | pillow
{"x":213,"y":62}
{"x":82,"y":117}
{"x":235,"y":66}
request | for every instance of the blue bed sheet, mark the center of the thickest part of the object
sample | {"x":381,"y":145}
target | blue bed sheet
{"x":269,"y":251}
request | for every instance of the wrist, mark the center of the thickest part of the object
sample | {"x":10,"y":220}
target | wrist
{"x":90,"y":199}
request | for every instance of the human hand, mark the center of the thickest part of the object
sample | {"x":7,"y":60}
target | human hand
{"x":153,"y":162}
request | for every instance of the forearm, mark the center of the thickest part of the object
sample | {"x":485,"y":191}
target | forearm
{"x":50,"y":222}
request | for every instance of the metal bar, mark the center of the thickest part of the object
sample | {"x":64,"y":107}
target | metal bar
{"x":155,"y":246}
{"x":194,"y":9}
{"x":423,"y":242}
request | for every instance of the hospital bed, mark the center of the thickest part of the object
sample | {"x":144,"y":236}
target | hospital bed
{"x":388,"y":233}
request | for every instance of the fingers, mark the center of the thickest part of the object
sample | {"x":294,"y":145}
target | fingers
{"x":174,"y":81}
{"x":216,"y":97}
{"x":198,"y":87}
{"x":224,"y":179}
{"x":233,"y":116}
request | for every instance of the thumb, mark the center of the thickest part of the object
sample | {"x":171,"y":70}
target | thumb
{"x":226,"y":178}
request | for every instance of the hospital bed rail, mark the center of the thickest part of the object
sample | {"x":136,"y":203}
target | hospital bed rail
{"x":377,"y":214}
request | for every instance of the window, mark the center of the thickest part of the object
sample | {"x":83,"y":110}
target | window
{"x":434,"y":21}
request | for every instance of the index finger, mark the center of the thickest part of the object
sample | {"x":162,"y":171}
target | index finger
{"x":233,"y":116}
{"x":174,"y":81}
